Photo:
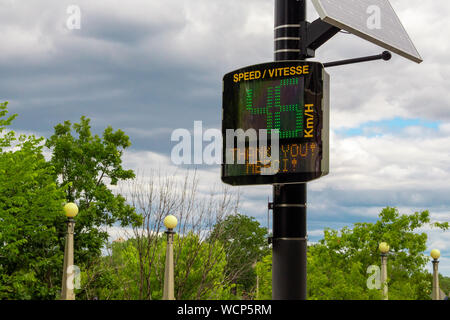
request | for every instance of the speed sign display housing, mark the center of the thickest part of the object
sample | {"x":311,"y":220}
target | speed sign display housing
{"x":289,"y":97}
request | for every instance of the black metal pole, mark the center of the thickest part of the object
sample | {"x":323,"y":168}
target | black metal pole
{"x":289,"y":243}
{"x":288,"y":15}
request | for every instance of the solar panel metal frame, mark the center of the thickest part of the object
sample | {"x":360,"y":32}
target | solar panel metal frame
{"x":321,"y":10}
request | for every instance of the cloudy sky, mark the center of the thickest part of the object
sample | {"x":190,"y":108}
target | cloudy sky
{"x":151,"y":66}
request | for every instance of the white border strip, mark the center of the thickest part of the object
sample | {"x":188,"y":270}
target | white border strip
{"x":287,"y":50}
{"x":287,"y":38}
{"x":287,"y":26}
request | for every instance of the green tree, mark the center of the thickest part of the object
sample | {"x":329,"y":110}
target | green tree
{"x":86,"y":165}
{"x":264,"y":278}
{"x":444,"y":283}
{"x":33,"y":191}
{"x":337,"y":265}
{"x":245,"y":243}
{"x":332,"y":277}
{"x":31,"y":218}
{"x":117,"y":275}
{"x":112,"y":277}
{"x":200,"y":276}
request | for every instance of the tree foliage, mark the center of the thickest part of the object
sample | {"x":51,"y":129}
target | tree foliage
{"x":337,"y":265}
{"x":86,"y":165}
{"x":264,"y":278}
{"x":117,"y":275}
{"x":31,"y":218}
{"x":245,"y":243}
{"x":32,"y":194}
{"x":199,"y":260}
{"x":444,"y":283}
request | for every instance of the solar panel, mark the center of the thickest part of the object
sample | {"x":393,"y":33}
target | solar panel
{"x":372,"y":20}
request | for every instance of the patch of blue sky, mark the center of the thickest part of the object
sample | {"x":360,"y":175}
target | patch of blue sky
{"x":391,"y":126}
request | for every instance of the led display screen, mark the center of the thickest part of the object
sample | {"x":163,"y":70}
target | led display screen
{"x":289,"y":98}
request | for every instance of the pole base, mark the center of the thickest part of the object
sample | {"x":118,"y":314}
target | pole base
{"x":289,"y":269}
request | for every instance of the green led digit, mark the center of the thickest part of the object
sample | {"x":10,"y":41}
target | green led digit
{"x":250,"y":100}
{"x":288,"y":119}
{"x":275,"y":122}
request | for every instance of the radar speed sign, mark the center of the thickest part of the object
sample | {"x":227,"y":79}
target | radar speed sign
{"x":288,"y":100}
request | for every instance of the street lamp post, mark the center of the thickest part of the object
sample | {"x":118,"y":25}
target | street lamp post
{"x":435,"y":254}
{"x":384,"y":249}
{"x":67,"y":293}
{"x":170,"y":222}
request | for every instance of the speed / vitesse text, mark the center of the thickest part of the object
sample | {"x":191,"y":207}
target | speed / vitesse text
{"x":271,"y":73}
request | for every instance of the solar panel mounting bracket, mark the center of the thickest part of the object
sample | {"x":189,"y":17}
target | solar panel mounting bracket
{"x":320,"y":32}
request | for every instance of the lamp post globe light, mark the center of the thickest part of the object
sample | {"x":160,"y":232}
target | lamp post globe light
{"x":170,"y":222}
{"x":384,"y":249}
{"x":67,"y":293}
{"x":71,"y":210}
{"x":436,"y":254}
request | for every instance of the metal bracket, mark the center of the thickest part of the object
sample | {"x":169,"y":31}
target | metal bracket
{"x":320,"y":32}
{"x":313,"y":35}
{"x":386,"y":55}
{"x":305,"y":51}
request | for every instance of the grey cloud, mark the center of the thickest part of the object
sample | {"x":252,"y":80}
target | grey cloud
{"x":121,"y":68}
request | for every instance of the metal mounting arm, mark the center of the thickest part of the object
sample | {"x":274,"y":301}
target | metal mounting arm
{"x":386,"y":55}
